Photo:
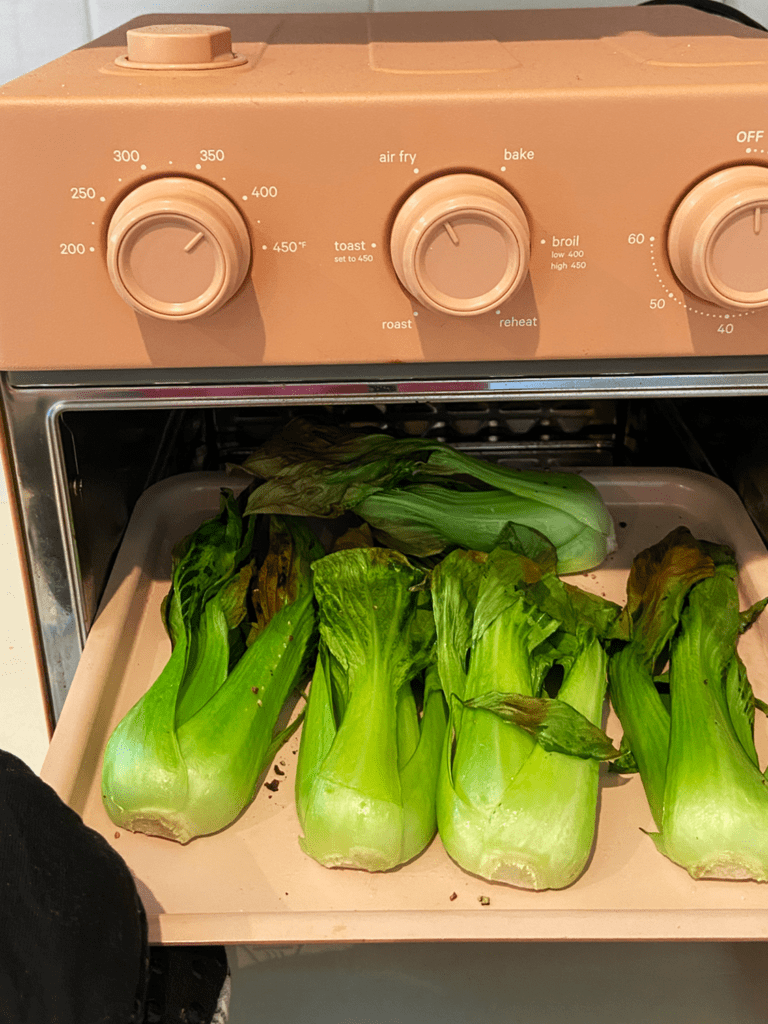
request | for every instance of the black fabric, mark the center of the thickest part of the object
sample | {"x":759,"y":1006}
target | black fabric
{"x":184,"y":984}
{"x":73,"y":933}
{"x":709,"y":7}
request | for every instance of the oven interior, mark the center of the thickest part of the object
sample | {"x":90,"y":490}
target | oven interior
{"x":111,"y":457}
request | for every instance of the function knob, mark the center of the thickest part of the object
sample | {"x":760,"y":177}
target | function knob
{"x":460,"y":244}
{"x":177,"y":249}
{"x":718,"y":238}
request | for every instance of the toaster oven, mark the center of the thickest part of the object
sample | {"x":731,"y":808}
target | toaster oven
{"x":535,"y":235}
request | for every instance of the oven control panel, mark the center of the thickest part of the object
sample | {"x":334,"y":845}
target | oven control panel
{"x":418,"y":188}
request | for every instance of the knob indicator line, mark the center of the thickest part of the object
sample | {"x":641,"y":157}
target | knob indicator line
{"x":194,"y":241}
{"x":451,"y":233}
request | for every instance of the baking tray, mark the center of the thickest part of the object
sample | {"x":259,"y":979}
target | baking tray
{"x":251,"y":883}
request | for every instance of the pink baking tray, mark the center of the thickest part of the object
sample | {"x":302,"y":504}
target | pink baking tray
{"x":251,"y":883}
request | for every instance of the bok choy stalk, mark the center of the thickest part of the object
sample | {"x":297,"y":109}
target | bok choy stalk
{"x":185,"y":760}
{"x":517,"y":789}
{"x":695,"y":754}
{"x":368,"y":759}
{"x":423,"y":497}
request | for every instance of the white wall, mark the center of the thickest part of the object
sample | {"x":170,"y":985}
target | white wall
{"x":33,"y":32}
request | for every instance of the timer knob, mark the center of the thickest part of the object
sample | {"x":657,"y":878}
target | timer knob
{"x":461,"y":244}
{"x":177,"y":249}
{"x":718,"y":238}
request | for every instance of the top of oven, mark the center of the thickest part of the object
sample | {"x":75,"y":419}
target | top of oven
{"x":336,"y":190}
{"x":345,"y":56}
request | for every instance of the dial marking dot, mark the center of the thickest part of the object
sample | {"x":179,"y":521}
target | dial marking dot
{"x":681,"y":301}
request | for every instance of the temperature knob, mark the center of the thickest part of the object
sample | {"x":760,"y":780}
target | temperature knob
{"x":718,"y":238}
{"x":177,"y":249}
{"x":461,"y":244}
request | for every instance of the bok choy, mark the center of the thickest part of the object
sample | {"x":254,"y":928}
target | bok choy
{"x":423,"y":497}
{"x":368,"y":759}
{"x":694,"y":749}
{"x":518,"y":782}
{"x":185,"y":760}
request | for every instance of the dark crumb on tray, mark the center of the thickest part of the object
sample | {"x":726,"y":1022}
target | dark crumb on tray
{"x":623,"y":526}
{"x":272,"y":785}
{"x":278,"y":770}
{"x":117,"y":835}
{"x":453,"y":896}
{"x":484,"y":900}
